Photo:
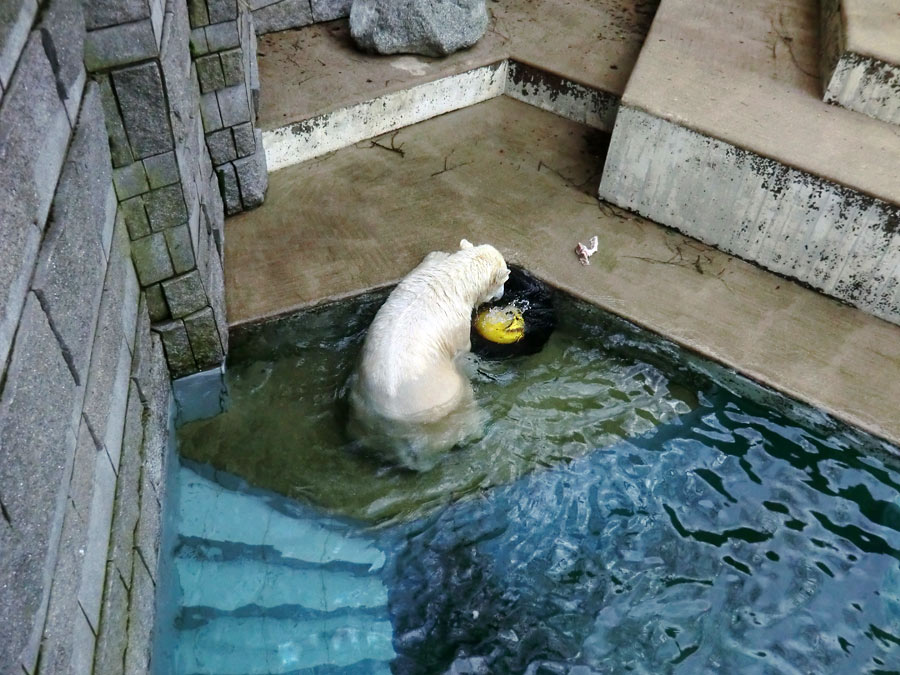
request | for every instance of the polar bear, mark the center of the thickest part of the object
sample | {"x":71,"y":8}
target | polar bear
{"x":410,"y":395}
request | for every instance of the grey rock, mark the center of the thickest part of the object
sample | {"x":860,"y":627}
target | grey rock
{"x":62,"y":609}
{"x":209,"y":73}
{"x":101,"y":13}
{"x":71,"y":263}
{"x":222,"y":36}
{"x":281,"y":16}
{"x":214,"y":281}
{"x":427,"y":27}
{"x":130,"y":180}
{"x":127,"y":504}
{"x":253,"y":71}
{"x":252,"y":176}
{"x":111,"y":218}
{"x":90,"y":592}
{"x":178,"y":348}
{"x":221,"y":146}
{"x":185,"y":294}
{"x":143,"y":104}
{"x":181,"y":250}
{"x":232,"y":66}
{"x":209,"y":111}
{"x":214,"y":212}
{"x":149,"y":526}
{"x":156,"y":303}
{"x":141,"y":616}
{"x":34,"y":134}
{"x":135,"y":217}
{"x":198,"y":13}
{"x":203,"y":332}
{"x":151,"y":258}
{"x":107,"y":383}
{"x":244,"y":139}
{"x":119,"y":148}
{"x":328,"y":10}
{"x":37,"y":442}
{"x":175,"y":61}
{"x":165,"y":207}
{"x":16,"y":17}
{"x":140,"y":360}
{"x":157,"y":388}
{"x":234,"y":105}
{"x":231,"y":193}
{"x":62,"y":35}
{"x":222,"y":10}
{"x":198,"y":44}
{"x":157,"y":9}
{"x":120,"y":45}
{"x":113,"y":630}
{"x":161,"y":169}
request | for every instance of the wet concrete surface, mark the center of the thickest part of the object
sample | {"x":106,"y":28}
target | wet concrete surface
{"x":504,"y":173}
{"x":317,"y":69}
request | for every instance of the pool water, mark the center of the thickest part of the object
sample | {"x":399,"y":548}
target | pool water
{"x":629,"y":508}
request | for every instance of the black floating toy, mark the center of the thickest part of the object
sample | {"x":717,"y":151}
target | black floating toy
{"x":517,"y":324}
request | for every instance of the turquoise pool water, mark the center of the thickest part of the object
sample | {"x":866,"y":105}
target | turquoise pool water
{"x":630,"y":508}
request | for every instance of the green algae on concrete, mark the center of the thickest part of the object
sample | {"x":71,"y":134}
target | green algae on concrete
{"x":596,"y":382}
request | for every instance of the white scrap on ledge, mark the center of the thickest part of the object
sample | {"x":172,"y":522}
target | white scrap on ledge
{"x":585,"y":252}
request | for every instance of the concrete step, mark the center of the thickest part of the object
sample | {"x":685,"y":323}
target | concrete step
{"x":267,"y":587}
{"x":231,"y":585}
{"x":273,"y":646}
{"x":722,"y":134}
{"x":320,"y":94}
{"x":860,"y":56}
{"x":210,"y":511}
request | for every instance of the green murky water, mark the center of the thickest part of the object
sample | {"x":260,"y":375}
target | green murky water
{"x":285,"y":429}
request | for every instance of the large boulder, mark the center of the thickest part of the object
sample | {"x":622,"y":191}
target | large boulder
{"x":427,"y":27}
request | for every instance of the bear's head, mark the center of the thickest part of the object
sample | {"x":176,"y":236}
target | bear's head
{"x":492,"y":269}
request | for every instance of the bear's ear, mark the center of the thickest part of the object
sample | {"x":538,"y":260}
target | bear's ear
{"x":464,"y":244}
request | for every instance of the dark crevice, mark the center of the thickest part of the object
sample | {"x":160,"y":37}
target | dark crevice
{"x":5,"y":513}
{"x":50,"y":51}
{"x":88,"y":619}
{"x":64,"y":348}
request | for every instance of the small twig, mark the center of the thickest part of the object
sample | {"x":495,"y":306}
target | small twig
{"x":789,"y":43}
{"x":392,"y":147}
{"x":449,"y":168}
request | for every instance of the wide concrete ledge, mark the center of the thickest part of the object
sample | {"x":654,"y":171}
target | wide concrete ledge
{"x":317,"y":69}
{"x":321,"y":94}
{"x":860,"y":62}
{"x":720,"y":134}
{"x":745,"y":72}
{"x":522,"y":179}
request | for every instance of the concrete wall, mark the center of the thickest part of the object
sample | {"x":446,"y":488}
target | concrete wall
{"x":111,"y":282}
{"x":837,"y":240}
{"x":856,"y":81}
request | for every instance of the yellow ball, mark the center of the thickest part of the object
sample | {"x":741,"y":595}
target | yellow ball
{"x":503,"y":325}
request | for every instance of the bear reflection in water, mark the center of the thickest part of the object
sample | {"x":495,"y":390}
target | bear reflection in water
{"x":410,"y":397}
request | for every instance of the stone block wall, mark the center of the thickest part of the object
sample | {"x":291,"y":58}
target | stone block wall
{"x":111,"y":282}
{"x":223,"y":42}
{"x":84,"y":389}
{"x":139,"y":53}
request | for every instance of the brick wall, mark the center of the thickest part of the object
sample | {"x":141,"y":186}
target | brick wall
{"x":111,"y":282}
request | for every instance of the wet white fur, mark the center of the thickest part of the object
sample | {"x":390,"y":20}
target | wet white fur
{"x":408,"y":370}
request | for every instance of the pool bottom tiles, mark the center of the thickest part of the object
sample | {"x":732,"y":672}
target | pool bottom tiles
{"x":629,"y":509}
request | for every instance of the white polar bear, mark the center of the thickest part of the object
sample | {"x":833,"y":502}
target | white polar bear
{"x":410,"y":396}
